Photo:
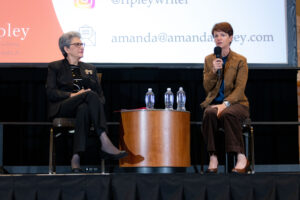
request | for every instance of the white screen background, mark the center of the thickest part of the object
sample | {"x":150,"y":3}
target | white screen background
{"x":175,"y":31}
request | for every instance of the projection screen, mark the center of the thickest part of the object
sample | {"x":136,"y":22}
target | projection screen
{"x":147,"y":31}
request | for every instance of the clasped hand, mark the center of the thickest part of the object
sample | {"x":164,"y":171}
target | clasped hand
{"x":217,"y":64}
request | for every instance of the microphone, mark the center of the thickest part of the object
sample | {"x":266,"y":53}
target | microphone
{"x":218,"y":52}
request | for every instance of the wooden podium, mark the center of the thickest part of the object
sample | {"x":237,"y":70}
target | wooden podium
{"x":155,"y":138}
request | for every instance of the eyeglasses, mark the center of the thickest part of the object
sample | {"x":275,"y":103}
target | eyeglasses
{"x":77,"y":44}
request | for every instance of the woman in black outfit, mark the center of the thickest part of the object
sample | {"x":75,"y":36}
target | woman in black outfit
{"x":74,"y":90}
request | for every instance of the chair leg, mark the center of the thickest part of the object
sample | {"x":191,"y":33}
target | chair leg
{"x":52,"y":164}
{"x":102,"y":166}
{"x":51,"y":171}
{"x":202,"y":152}
{"x":234,"y":160}
{"x":252,"y":150}
{"x":226,"y":163}
{"x":249,"y":147}
{"x":246,"y":135}
{"x":54,"y":156}
{"x":230,"y":162}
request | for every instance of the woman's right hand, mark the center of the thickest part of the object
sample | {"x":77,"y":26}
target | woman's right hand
{"x":217,"y":64}
{"x":80,"y":92}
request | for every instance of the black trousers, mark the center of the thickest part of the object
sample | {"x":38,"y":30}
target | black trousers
{"x":87,"y":109}
{"x":230,"y":120}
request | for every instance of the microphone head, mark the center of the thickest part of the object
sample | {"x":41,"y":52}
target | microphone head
{"x":218,"y":52}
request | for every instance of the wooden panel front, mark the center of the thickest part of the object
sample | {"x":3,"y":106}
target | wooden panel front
{"x":155,"y":138}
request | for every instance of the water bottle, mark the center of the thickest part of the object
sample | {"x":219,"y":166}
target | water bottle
{"x":181,"y":99}
{"x":149,"y":99}
{"x":169,"y":99}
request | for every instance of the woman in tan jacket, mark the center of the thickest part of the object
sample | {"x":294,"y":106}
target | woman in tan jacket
{"x":226,"y":105}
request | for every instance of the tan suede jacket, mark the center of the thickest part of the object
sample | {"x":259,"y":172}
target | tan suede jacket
{"x":235,"y":79}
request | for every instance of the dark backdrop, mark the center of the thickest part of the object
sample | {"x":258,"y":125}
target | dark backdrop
{"x":272,"y":95}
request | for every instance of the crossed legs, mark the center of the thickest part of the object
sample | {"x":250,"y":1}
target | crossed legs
{"x":87,"y":109}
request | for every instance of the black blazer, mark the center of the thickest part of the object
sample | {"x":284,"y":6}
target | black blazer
{"x":59,"y":84}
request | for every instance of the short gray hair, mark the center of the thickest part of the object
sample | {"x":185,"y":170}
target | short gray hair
{"x":65,"y":41}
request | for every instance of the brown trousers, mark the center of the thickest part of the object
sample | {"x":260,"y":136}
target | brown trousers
{"x":230,"y":121}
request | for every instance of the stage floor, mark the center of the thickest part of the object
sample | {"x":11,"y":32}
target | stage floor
{"x":65,"y":169}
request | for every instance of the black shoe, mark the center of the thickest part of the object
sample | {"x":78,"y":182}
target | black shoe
{"x":108,"y":156}
{"x":77,"y":170}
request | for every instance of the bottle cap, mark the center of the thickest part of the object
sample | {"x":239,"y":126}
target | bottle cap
{"x":169,"y":89}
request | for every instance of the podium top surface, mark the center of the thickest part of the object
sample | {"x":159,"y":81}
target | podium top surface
{"x":152,"y":110}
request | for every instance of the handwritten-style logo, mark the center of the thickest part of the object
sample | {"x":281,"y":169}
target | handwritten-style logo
{"x":84,"y":3}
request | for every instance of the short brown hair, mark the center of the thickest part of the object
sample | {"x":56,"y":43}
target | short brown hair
{"x":223,"y":26}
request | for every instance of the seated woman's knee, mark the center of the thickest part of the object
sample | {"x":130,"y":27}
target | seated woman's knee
{"x":225,"y":114}
{"x":211,"y":111}
{"x":92,"y":94}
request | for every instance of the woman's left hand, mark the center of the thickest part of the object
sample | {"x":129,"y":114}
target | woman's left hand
{"x":220,"y":108}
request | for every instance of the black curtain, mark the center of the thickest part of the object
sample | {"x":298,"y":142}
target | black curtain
{"x":151,"y":187}
{"x":272,"y":95}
